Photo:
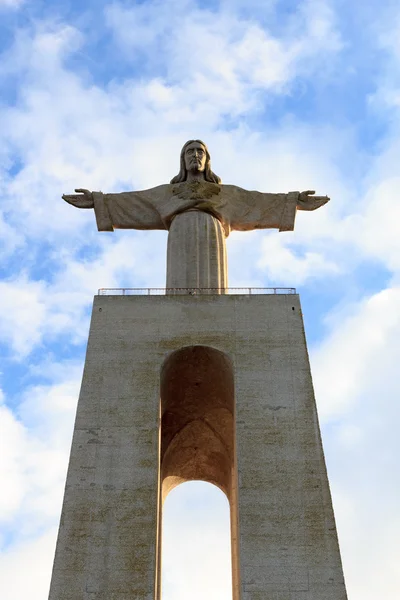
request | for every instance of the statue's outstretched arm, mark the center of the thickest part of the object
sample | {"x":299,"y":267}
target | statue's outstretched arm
{"x":123,"y":210}
{"x":247,"y":210}
{"x":82,"y":200}
{"x":307,"y":200}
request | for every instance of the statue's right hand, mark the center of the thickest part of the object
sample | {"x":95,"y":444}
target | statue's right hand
{"x":82,"y":200}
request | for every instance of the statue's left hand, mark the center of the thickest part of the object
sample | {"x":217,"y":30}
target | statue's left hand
{"x":82,"y":200}
{"x":307,"y":200}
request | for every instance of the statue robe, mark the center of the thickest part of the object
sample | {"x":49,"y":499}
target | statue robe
{"x":199,"y":216}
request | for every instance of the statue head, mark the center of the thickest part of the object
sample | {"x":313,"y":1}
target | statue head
{"x":195,"y":155}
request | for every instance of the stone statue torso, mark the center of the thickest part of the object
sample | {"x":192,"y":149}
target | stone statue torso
{"x":196,"y":255}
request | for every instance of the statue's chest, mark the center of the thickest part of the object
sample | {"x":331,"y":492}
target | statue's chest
{"x":197,"y":190}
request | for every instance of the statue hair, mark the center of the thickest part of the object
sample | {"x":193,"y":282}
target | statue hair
{"x":208,"y":174}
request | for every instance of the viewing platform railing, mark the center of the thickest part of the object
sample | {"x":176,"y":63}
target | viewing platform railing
{"x":193,"y":291}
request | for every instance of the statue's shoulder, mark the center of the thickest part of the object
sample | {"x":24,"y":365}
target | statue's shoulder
{"x":232,"y":190}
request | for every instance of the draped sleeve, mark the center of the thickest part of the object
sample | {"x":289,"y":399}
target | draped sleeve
{"x":131,"y":210}
{"x":246,"y":210}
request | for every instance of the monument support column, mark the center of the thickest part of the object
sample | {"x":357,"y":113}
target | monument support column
{"x":285,"y":545}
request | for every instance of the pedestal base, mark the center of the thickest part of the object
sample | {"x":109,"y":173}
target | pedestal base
{"x":283,"y":532}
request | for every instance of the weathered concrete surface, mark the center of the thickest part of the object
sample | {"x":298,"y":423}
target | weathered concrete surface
{"x":285,"y":547}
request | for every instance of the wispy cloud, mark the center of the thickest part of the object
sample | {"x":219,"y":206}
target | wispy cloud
{"x":11,"y":3}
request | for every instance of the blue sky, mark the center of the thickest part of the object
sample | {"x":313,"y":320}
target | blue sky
{"x":288,"y":96}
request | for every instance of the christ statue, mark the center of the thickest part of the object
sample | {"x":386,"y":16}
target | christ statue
{"x":199,"y":212}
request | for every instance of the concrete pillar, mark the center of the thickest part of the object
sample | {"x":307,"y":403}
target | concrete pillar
{"x":257,"y":413}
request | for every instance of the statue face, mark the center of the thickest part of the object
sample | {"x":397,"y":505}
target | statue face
{"x":195,"y":157}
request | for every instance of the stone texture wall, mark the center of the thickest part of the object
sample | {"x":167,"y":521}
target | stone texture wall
{"x":284,"y":539}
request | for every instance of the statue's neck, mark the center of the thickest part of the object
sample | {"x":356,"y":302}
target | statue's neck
{"x":195,"y":176}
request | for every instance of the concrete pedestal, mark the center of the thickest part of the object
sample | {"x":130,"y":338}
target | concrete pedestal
{"x":237,"y":409}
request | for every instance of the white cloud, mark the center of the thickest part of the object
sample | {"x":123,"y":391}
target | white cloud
{"x":23,"y":313}
{"x":219,"y":56}
{"x":378,"y":229}
{"x":282,"y":264}
{"x":34,"y":558}
{"x":13,"y":445}
{"x":360,"y":347}
{"x":34,"y":442}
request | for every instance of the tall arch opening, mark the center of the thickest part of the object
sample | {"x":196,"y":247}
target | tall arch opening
{"x":197,"y":433}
